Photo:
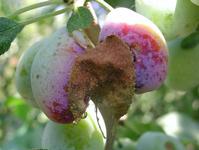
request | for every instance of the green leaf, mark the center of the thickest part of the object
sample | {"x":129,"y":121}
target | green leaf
{"x":80,"y":19}
{"x":124,"y":3}
{"x":18,"y":107}
{"x":133,"y":128}
{"x":190,"y":41}
{"x":8,"y":32}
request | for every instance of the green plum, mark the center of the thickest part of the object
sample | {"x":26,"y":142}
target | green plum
{"x":183,"y":72}
{"x":23,"y":70}
{"x":186,"y":18}
{"x":81,"y":136}
{"x":161,"y":13}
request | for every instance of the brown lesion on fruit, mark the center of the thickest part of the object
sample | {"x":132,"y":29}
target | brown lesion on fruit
{"x":66,"y":88}
{"x":106,"y":74}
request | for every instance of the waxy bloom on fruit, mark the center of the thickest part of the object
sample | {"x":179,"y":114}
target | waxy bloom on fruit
{"x":50,"y":74}
{"x":148,"y":46}
{"x":23,"y":72}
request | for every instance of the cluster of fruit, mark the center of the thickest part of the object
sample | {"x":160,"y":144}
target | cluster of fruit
{"x":61,"y":73}
{"x":46,"y":69}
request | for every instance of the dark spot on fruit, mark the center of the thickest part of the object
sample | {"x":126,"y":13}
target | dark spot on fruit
{"x":139,"y":85}
{"x":66,"y":88}
{"x":86,"y":99}
{"x":58,"y":44}
{"x":136,"y":47}
{"x":37,"y":76}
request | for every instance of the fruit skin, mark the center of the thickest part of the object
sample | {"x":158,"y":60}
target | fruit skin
{"x":146,"y":42}
{"x":161,"y":13}
{"x":186,"y":18}
{"x":22,"y":76}
{"x":50,"y":73}
{"x":81,"y":136}
{"x":183,"y":73}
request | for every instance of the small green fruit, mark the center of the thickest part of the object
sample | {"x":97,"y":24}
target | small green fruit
{"x":81,"y":136}
{"x":23,"y":70}
{"x":186,"y":18}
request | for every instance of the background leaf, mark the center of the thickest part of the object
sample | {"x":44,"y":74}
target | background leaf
{"x":8,"y":32}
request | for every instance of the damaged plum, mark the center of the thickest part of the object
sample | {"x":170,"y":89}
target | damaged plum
{"x":50,"y":74}
{"x":146,"y":42}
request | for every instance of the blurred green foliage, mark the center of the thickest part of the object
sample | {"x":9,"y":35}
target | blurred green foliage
{"x":164,"y":111}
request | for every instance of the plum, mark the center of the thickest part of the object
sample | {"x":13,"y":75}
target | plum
{"x":50,"y":74}
{"x":161,"y":13}
{"x":186,"y":18}
{"x":81,"y":136}
{"x":146,"y":42}
{"x":23,"y":83}
{"x":183,"y":73}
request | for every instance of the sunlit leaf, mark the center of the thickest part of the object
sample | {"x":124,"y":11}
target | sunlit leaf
{"x":80,"y":19}
{"x":8,"y":32}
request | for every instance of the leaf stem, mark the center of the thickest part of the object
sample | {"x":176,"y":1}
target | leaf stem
{"x":33,"y":6}
{"x":33,"y":20}
{"x":105,"y":5}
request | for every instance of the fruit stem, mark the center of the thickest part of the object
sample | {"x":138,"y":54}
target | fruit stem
{"x":90,"y":43}
{"x":105,"y":5}
{"x":111,"y":124}
{"x":33,"y":6}
{"x":33,"y":20}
